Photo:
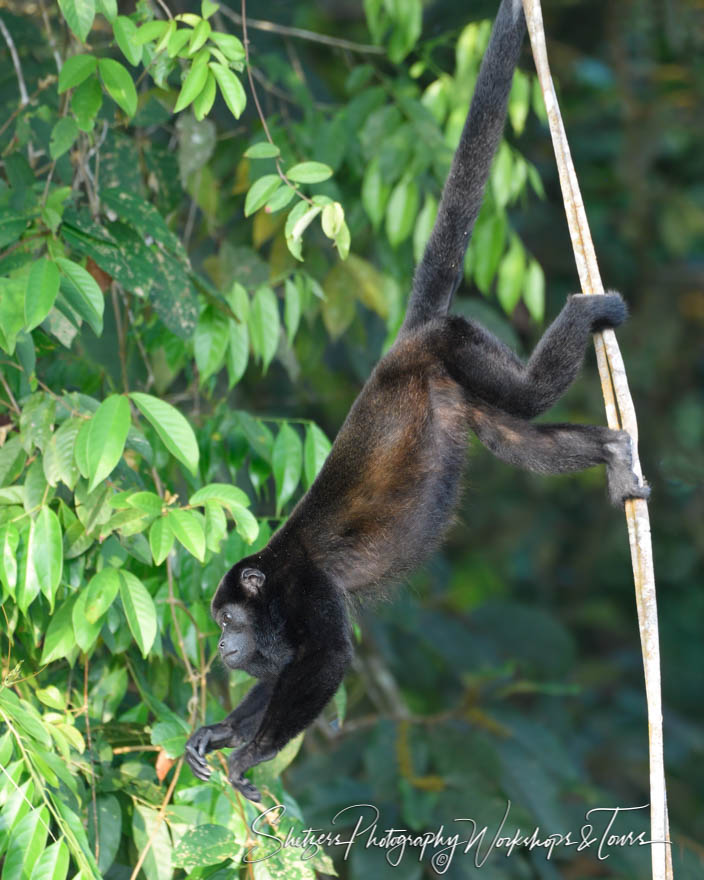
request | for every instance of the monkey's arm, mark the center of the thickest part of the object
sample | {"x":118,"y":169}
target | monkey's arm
{"x":299,"y":696}
{"x":237,"y":728}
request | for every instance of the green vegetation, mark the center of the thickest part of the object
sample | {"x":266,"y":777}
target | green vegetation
{"x":192,"y":290}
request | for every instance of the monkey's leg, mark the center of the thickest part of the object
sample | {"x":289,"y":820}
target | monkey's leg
{"x":490,"y":370}
{"x":554,"y":449}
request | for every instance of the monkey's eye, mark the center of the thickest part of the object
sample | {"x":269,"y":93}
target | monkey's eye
{"x":226,"y":618}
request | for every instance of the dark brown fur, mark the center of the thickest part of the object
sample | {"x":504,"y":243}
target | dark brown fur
{"x":387,"y":491}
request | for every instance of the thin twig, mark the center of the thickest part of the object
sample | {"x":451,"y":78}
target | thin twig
{"x":159,"y":819}
{"x":24,"y":95}
{"x":9,"y":393}
{"x":89,"y":743}
{"x":262,"y":118}
{"x":50,"y":36}
{"x":620,"y":413}
{"x":301,"y":34}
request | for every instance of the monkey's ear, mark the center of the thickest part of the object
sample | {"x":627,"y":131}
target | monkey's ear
{"x":252,"y":580}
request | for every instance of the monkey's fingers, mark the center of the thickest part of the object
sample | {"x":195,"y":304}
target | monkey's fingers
{"x":197,"y":763}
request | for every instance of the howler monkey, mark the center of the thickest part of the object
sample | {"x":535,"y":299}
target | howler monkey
{"x":387,"y":490}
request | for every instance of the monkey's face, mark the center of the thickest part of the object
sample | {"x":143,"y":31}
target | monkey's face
{"x":237,"y":646}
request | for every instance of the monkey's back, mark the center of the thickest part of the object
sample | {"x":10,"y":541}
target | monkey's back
{"x":387,"y":490}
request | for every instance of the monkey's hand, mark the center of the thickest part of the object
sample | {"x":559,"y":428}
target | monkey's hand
{"x":206,"y":739}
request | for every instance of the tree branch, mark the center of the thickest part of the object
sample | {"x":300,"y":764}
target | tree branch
{"x":620,"y":413}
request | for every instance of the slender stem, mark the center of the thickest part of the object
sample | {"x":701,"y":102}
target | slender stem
{"x":24,"y":96}
{"x":262,"y":118}
{"x":301,"y":34}
{"x":8,"y":391}
{"x":89,"y":742}
{"x":620,"y":412}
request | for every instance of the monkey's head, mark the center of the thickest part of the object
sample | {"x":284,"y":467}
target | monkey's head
{"x":252,"y":627}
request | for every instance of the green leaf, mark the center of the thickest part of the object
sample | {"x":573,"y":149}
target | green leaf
{"x":200,"y":34}
{"x":109,"y":830}
{"x":108,"y":8}
{"x":193,"y":85}
{"x":86,"y":100}
{"x":76,"y":69}
{"x":224,"y":493}
{"x":59,"y":641}
{"x":246,"y":524}
{"x":106,"y":441}
{"x":534,"y":291}
{"x":189,"y":531}
{"x":172,"y":428}
{"x":315,"y":451}
{"x":83,"y":292}
{"x":297,"y":222}
{"x":58,"y":461}
{"x":171,"y":735}
{"x":45,"y":548}
{"x":26,"y":843}
{"x":229,"y":45}
{"x":401,"y":211}
{"x":80,"y":452}
{"x":309,"y":172}
{"x":215,"y":525}
{"x":260,"y":192}
{"x":139,"y":610}
{"x":42,"y":288}
{"x":424,"y":226}
{"x":203,"y":103}
{"x":237,"y":351}
{"x":519,"y":101}
{"x":230,"y":88}
{"x":149,"y":502}
{"x":292,"y":309}
{"x":119,"y":84}
{"x":100,"y":593}
{"x":9,"y":539}
{"x":52,"y":863}
{"x":205,"y":845}
{"x":63,"y":134}
{"x":85,"y":631}
{"x":125,"y":31}
{"x":264,"y":325}
{"x":332,"y":219}
{"x":262,"y":150}
{"x":487,"y":247}
{"x":287,"y":461}
{"x":146,"y":826}
{"x":210,"y":343}
{"x":510,"y":279}
{"x":280,"y":199}
{"x":208,"y":8}
{"x":152,"y":30}
{"x":79,"y":15}
{"x":178,"y":40}
{"x":161,"y":539}
{"x":501,"y":173}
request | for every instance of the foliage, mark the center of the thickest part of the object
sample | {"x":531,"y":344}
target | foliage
{"x":170,"y":371}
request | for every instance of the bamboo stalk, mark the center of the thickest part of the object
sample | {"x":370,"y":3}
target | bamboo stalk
{"x":620,"y":413}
